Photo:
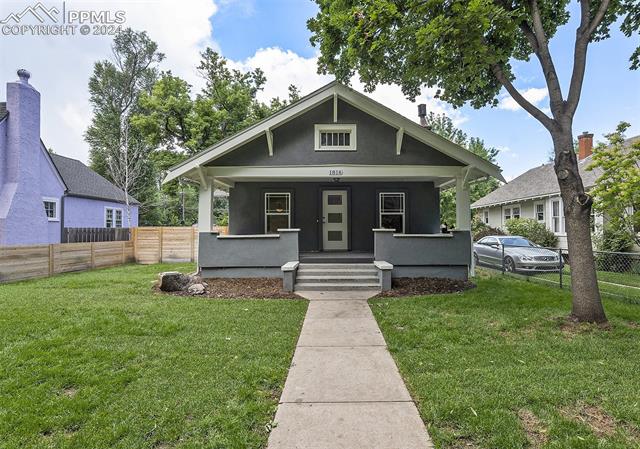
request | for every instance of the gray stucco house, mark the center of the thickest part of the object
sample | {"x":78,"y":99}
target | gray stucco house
{"x":536,"y":194}
{"x":334,"y":178}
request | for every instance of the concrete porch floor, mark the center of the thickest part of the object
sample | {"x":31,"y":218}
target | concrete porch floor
{"x":343,"y":389}
{"x":335,"y":257}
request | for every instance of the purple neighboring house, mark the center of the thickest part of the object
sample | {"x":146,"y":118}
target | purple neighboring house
{"x":43,"y":193}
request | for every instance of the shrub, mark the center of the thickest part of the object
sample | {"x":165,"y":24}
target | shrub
{"x":609,"y":242}
{"x":533,"y":230}
{"x":480,"y":229}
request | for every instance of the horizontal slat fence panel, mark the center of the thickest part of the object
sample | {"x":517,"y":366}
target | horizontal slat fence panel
{"x":148,"y":245}
{"x":165,"y":244}
{"x":24,"y":262}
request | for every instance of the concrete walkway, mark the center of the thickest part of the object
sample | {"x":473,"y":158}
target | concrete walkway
{"x":343,"y":388}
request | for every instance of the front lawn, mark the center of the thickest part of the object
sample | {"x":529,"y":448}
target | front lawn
{"x":498,"y":367}
{"x":96,"y":360}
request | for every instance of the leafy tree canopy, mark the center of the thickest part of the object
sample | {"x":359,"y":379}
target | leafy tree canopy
{"x":617,"y":189}
{"x":463,"y":47}
{"x":444,"y":126}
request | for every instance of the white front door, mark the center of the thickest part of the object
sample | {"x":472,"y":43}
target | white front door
{"x":335,"y":220}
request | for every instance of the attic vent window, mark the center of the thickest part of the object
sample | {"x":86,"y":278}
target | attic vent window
{"x":335,"y":137}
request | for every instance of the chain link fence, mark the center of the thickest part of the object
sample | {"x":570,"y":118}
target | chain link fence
{"x":618,"y":273}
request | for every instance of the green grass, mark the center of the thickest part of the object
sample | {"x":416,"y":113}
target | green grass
{"x":96,"y":360}
{"x":474,"y":360}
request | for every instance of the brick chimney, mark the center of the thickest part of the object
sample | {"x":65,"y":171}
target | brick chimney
{"x":422,"y":113}
{"x":585,"y":145}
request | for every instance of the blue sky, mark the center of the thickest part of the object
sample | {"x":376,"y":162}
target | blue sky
{"x":611,"y":92}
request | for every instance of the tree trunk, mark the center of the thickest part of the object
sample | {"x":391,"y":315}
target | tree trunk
{"x":586,"y":305}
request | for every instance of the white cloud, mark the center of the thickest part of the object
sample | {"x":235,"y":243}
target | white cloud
{"x":61,"y":66}
{"x":284,"y":67}
{"x":534,"y":95}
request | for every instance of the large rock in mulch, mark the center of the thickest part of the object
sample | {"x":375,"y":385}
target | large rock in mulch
{"x":173,"y":281}
{"x":196,"y":289}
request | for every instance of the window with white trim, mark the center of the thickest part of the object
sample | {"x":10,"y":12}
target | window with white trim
{"x":112,"y":217}
{"x":485,"y":217}
{"x":539,"y":211}
{"x":557,"y":219}
{"x":108,"y":217}
{"x":335,"y":137}
{"x":392,"y":211}
{"x":507,"y":214}
{"x":51,"y":208}
{"x":515,"y":211}
{"x":277,"y":212}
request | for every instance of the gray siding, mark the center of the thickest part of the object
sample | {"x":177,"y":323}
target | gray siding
{"x":246,"y":209}
{"x":293,"y":143}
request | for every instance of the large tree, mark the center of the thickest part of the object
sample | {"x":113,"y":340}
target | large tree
{"x":466,"y":49}
{"x":117,"y":150}
{"x":179,"y":123}
{"x":444,"y":126}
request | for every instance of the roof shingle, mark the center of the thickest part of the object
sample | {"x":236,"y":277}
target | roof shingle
{"x":84,"y":182}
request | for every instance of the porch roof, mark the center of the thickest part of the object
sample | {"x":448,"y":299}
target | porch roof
{"x":199,"y":167}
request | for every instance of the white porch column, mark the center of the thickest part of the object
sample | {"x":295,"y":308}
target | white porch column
{"x":205,"y":207}
{"x":463,"y":213}
{"x":463,"y":205}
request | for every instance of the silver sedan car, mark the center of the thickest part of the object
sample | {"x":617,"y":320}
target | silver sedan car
{"x":516,"y":253}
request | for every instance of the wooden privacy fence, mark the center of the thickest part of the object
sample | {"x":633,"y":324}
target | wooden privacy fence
{"x":165,"y":244}
{"x":84,"y":235}
{"x":148,"y":245}
{"x":25,"y":262}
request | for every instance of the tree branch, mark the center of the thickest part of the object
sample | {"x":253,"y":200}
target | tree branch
{"x":556,"y":101}
{"x":546,"y":121}
{"x":583,"y":36}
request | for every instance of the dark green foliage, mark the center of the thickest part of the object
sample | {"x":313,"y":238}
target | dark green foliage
{"x":533,"y":230}
{"x":443,"y":125}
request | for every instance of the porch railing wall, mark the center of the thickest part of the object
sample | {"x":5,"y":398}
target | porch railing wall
{"x":247,"y":255}
{"x":429,"y":255}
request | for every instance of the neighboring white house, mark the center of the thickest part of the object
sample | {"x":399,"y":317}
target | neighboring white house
{"x":536,"y":194}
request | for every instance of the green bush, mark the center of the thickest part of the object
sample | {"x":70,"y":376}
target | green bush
{"x":480,"y":229}
{"x":533,"y":230}
{"x":611,"y":241}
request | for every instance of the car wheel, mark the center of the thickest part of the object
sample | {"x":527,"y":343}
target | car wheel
{"x":509,"y":265}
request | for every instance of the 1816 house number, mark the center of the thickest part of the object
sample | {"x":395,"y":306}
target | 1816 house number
{"x":336,"y":172}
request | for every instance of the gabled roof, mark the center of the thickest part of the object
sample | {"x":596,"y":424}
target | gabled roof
{"x":481,"y":167}
{"x":84,"y":182}
{"x":539,"y":182}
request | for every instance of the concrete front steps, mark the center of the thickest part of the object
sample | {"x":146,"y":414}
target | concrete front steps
{"x":337,"y":276}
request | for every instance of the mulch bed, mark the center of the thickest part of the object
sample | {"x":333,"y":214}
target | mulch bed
{"x":240,"y":288}
{"x":425,"y":286}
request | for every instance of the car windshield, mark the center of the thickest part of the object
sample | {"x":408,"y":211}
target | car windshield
{"x":515,"y":241}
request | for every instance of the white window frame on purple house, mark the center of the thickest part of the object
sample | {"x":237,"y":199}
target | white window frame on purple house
{"x":46,"y":199}
{"x":114,"y":217}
